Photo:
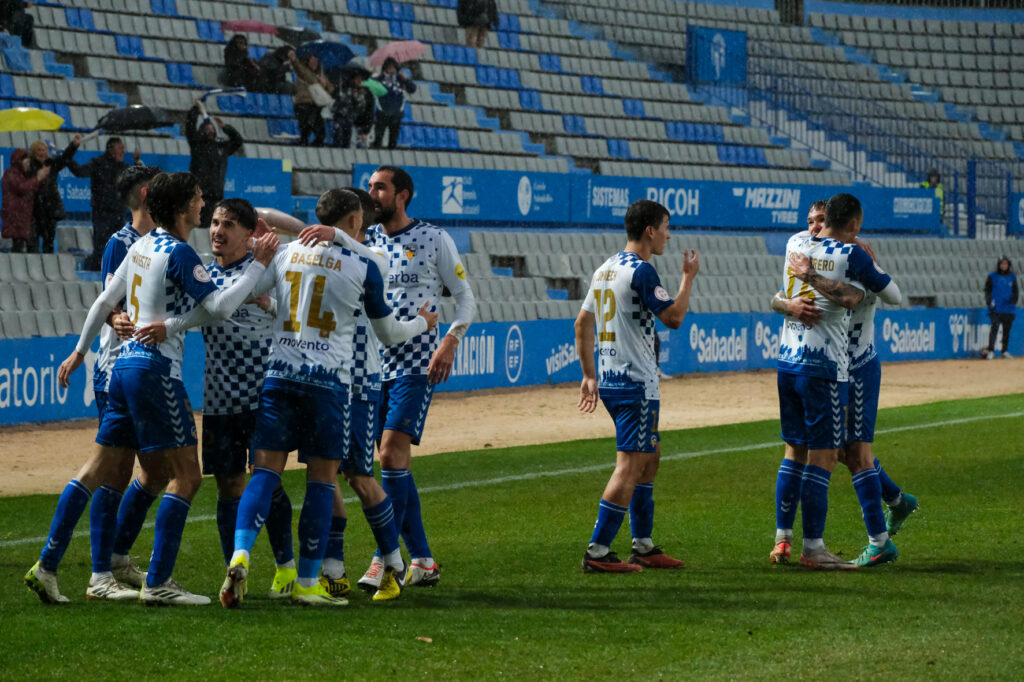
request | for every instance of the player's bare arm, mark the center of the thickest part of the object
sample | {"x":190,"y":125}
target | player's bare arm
{"x":441,"y":362}
{"x":585,"y":349}
{"x":315,"y":234}
{"x":840,"y":293}
{"x":278,"y":220}
{"x":801,"y":308}
{"x":672,"y":316}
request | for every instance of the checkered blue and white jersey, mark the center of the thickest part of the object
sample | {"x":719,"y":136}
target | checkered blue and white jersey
{"x":110,"y":343}
{"x":821,"y":351}
{"x":625,"y":296}
{"x":319,"y":288}
{"x":422,"y":260}
{"x":862,"y":332}
{"x":237,"y":350}
{"x":366,"y":374}
{"x":163,"y":277}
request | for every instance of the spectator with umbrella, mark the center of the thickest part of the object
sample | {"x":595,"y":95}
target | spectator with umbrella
{"x":274,"y":68}
{"x":312,"y":94}
{"x":210,"y":155}
{"x":108,"y":211}
{"x":391,"y":106}
{"x":19,"y":186}
{"x":353,"y":106}
{"x":477,"y":17}
{"x":48,"y":209}
{"x":242,"y":70}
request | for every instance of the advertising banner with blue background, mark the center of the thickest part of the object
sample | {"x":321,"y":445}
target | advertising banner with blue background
{"x":486,"y":195}
{"x":510,"y":354}
{"x":715,"y":56}
{"x":1015,"y":215}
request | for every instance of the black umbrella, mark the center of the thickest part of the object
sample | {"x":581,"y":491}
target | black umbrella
{"x":137,"y":117}
{"x":296,"y":35}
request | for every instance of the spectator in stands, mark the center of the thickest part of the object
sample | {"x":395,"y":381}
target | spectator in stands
{"x":274,"y":68}
{"x":1001,"y":293}
{"x":477,"y":17}
{"x":312,"y":94}
{"x":48,"y":209}
{"x":935,"y":181}
{"x":108,"y":211}
{"x":391,"y":107}
{"x":16,"y":21}
{"x":209,"y":157}
{"x":19,"y":186}
{"x":353,"y":106}
{"x":242,"y":70}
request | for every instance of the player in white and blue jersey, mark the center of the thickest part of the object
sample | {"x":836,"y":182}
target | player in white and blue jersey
{"x":863,"y":389}
{"x":422,"y":261}
{"x":304,"y":403}
{"x":624,"y":298}
{"x":148,"y":409}
{"x":111,"y":518}
{"x":813,"y":364}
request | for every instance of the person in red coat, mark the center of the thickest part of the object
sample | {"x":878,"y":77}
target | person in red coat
{"x":19,"y":193}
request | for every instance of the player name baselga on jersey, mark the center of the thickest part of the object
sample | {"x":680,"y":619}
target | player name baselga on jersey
{"x":110,"y":343}
{"x":822,"y":350}
{"x":237,"y":349}
{"x":625,"y":296}
{"x":422,"y":260}
{"x":164,"y":278}
{"x":319,"y":288}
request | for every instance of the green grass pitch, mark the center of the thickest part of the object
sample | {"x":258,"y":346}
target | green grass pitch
{"x":509,"y":528}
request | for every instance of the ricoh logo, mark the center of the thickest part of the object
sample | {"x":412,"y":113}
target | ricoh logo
{"x":474,"y":356}
{"x":678,"y":200}
{"x":561,"y":357}
{"x":966,"y":336}
{"x":906,"y":339}
{"x":711,"y":347}
{"x":767,"y":339}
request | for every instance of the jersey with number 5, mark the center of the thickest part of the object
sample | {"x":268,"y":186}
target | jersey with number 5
{"x":625,"y":296}
{"x":321,"y":292}
{"x":163,"y":277}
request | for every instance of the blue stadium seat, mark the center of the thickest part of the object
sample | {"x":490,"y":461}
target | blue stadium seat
{"x":257,"y":51}
{"x":282,"y":126}
{"x":591,"y":85}
{"x":357,"y":7}
{"x":633,"y":108}
{"x":400,"y":29}
{"x":487,"y":76}
{"x":508,"y":40}
{"x":508,"y":78}
{"x":619,"y":149}
{"x":164,"y":7}
{"x":129,"y":46}
{"x":180,"y":74}
{"x":373,"y":9}
{"x":574,"y":125}
{"x":508,"y":22}
{"x":80,"y":19}
{"x":209,"y":31}
{"x":530,"y":100}
{"x":551,"y":62}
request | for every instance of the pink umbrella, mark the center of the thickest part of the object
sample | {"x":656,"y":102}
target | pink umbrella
{"x":248,"y":26}
{"x":401,"y":51}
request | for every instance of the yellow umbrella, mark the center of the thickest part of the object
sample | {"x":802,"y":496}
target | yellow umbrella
{"x":27,"y":118}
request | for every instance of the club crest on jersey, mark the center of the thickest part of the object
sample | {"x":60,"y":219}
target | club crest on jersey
{"x":460,"y":271}
{"x":410,"y":251}
{"x":201,"y":274}
{"x":660,"y":293}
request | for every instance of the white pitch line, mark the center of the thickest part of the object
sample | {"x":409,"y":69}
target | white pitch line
{"x":577,"y":470}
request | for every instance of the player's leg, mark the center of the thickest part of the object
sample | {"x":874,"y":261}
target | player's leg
{"x":225,"y":456}
{"x":1007,"y":323}
{"x":880,"y":548}
{"x":789,"y":480}
{"x":131,"y":516}
{"x":106,"y":501}
{"x":333,"y":569}
{"x":825,"y":418}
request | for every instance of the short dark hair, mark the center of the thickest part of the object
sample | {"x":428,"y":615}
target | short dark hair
{"x":170,"y":194}
{"x":400,"y":179}
{"x":334,"y":205}
{"x":369,"y":210}
{"x":243,"y":211}
{"x":130,"y":182}
{"x":841,"y":209}
{"x":641,"y":214}
{"x":111,"y":142}
{"x":819,"y":205}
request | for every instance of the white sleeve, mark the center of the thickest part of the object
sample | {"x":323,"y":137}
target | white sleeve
{"x":588,"y":302}
{"x":891,"y":294}
{"x":391,"y":331}
{"x":223,"y":302}
{"x":103,"y":306}
{"x":453,"y":274}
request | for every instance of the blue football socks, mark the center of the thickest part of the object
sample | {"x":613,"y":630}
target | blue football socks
{"x":412,"y":530}
{"x":869,"y":494}
{"x":395,"y":483}
{"x":170,"y":523}
{"x":814,"y":500}
{"x":70,"y":506}
{"x":227,"y":515}
{"x":336,"y":538}
{"x":279,"y":527}
{"x":131,"y":516}
{"x":103,"y":526}
{"x":609,"y":519}
{"x":890,"y":491}
{"x":254,"y":507}
{"x":641,"y":510}
{"x":381,"y":518}
{"x":314,"y":528}
{"x":787,"y":493}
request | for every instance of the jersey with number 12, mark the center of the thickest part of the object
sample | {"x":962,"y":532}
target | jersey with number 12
{"x":625,"y":296}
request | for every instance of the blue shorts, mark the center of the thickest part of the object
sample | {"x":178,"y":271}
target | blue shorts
{"x":147,"y":411}
{"x":101,"y":402}
{"x":813,"y":411}
{"x":227,"y":441}
{"x":636,"y":423}
{"x":289,"y":419}
{"x":363,"y":440}
{"x":403,"y":405}
{"x":865,"y":383}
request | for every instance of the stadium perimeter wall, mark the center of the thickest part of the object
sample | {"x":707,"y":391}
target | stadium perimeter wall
{"x":513,"y":354}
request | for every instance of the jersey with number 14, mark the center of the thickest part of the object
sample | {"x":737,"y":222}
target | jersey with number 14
{"x":163,"y":277}
{"x":625,"y":296}
{"x":319,"y":290}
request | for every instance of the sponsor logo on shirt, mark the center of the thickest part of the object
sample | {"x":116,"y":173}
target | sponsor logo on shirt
{"x":460,"y":271}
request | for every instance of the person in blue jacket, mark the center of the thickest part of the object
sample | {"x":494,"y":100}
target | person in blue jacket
{"x":391,"y":107}
{"x":1001,"y":294}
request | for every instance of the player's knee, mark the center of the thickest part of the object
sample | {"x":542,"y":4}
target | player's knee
{"x":230,"y":485}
